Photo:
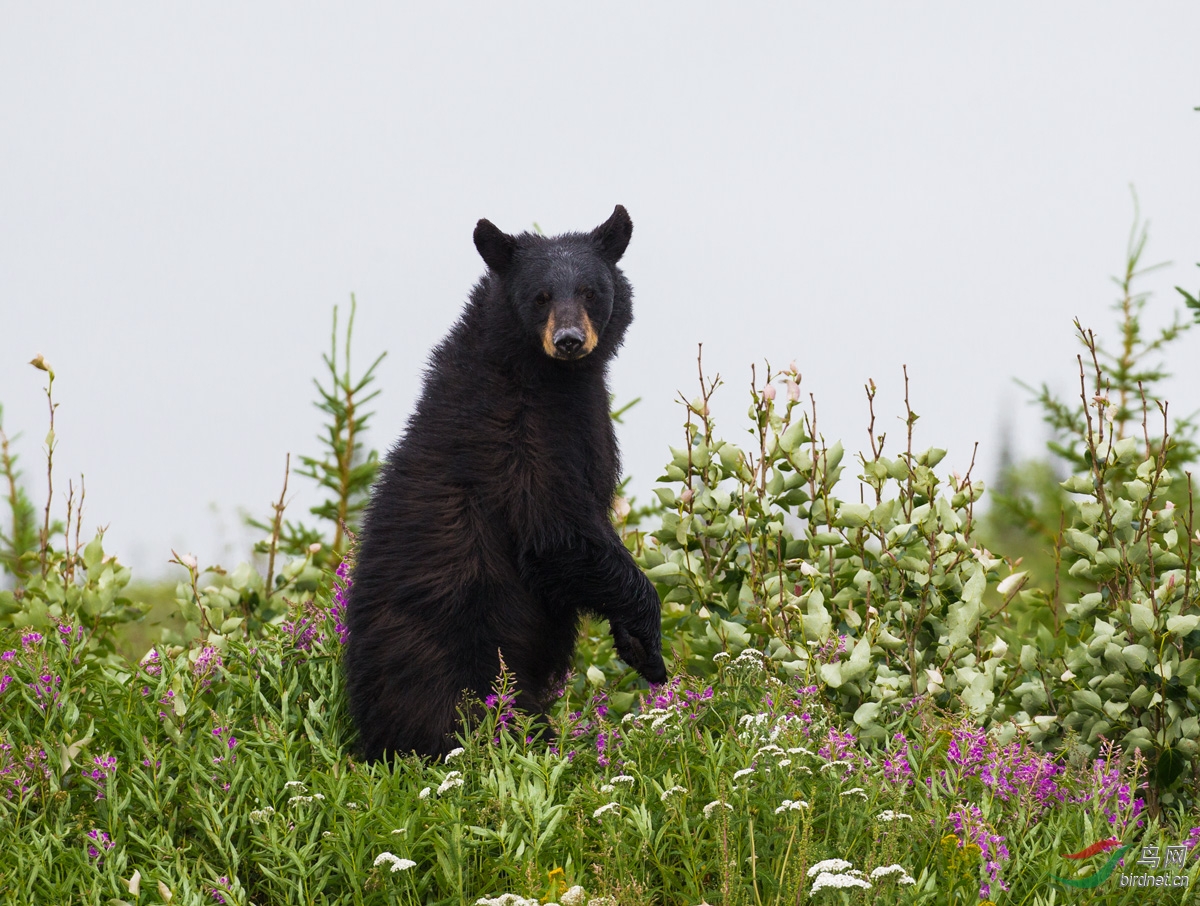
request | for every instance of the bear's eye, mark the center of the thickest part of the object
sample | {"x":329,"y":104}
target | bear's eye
{"x":542,"y":298}
{"x":589,"y":294}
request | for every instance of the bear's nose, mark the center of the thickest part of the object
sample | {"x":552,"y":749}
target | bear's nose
{"x":568,"y":341}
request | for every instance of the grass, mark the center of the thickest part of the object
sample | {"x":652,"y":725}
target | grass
{"x":225,"y":776}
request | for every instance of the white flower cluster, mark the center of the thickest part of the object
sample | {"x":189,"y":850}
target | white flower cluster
{"x":838,"y":763}
{"x":884,"y":870}
{"x":789,"y":805}
{"x":708,"y":809}
{"x":720,"y":656}
{"x":453,"y":753}
{"x":623,"y":778}
{"x":574,"y":896}
{"x":750,"y":659}
{"x":612,"y":806}
{"x":506,"y":899}
{"x":672,"y":790}
{"x":261,"y":815}
{"x":836,"y":873}
{"x":453,"y":779}
{"x":889,"y":815}
{"x":832,"y":865}
{"x":295,"y":783}
{"x":396,"y":862}
{"x":858,"y":790}
{"x":424,"y":794}
{"x":304,"y":800}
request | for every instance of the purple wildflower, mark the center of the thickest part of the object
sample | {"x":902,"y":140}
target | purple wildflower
{"x":100,"y":844}
{"x":100,"y":774}
{"x":151,"y":664}
{"x":304,"y":631}
{"x":971,"y":828}
{"x":30,"y":639}
{"x":208,"y":662}
{"x":22,"y":771}
{"x":45,"y":687}
{"x":341,"y":594}
{"x":896,"y":768}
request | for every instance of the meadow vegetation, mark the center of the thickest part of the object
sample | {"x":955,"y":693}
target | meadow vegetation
{"x":884,"y":690}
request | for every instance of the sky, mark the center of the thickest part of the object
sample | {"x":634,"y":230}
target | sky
{"x":186,"y":192}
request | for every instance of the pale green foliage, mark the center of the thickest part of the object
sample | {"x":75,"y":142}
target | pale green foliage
{"x":1123,"y":657}
{"x":879,"y":599}
{"x":1111,"y":647}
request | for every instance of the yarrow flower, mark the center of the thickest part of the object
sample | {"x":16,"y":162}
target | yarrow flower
{"x":506,"y":899}
{"x":261,"y":815}
{"x":830,"y":865}
{"x":889,"y":815}
{"x":453,"y":753}
{"x":612,"y":806}
{"x":825,"y":879}
{"x":304,"y":800}
{"x":672,"y":790}
{"x":789,"y":805}
{"x":396,"y":862}
{"x":453,"y":779}
{"x":886,"y":870}
{"x":424,"y":794}
{"x":708,"y":809}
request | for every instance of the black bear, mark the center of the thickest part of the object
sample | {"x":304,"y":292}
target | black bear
{"x":488,"y":533}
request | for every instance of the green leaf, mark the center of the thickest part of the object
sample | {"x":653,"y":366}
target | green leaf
{"x":866,"y":713}
{"x":1141,"y":617}
{"x":93,"y":553}
{"x":1183,"y":624}
{"x":1081,"y":541}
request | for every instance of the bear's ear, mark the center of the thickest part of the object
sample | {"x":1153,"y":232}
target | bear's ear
{"x":496,"y":248}
{"x":612,"y":236}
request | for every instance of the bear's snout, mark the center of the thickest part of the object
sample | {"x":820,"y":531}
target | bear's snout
{"x":568,"y":332}
{"x":568,"y":341}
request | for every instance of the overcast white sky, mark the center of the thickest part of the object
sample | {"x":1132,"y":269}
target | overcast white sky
{"x":187,"y":191}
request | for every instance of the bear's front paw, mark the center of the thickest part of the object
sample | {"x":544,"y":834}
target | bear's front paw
{"x":646,"y":660}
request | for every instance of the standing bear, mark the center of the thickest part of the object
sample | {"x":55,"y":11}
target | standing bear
{"x":488,"y":530}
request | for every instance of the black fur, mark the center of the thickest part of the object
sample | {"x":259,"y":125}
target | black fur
{"x":488,"y":527}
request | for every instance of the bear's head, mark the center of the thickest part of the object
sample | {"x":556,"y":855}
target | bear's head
{"x":566,"y":291}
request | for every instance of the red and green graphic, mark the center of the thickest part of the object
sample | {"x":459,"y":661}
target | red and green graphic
{"x":1096,"y":878}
